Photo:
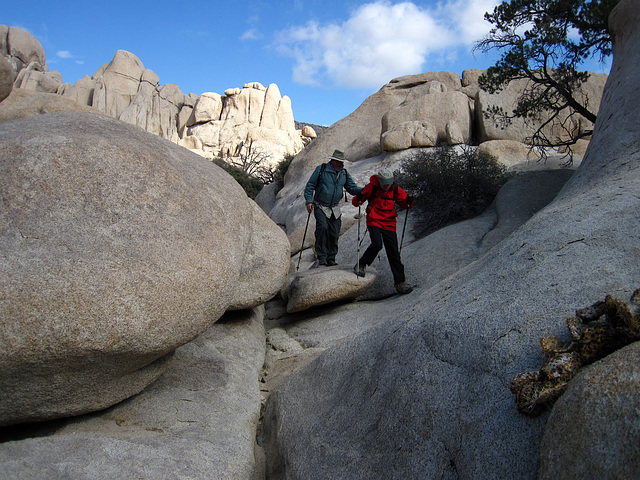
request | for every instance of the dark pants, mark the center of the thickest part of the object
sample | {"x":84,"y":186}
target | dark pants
{"x":327,"y":234}
{"x":390,"y":240}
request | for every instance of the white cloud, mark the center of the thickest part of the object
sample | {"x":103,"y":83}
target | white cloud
{"x":381,"y":40}
{"x":468,"y":17}
{"x":66,"y":55}
{"x":251,"y":34}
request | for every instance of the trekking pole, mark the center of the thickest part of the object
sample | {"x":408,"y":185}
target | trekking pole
{"x":403,"y":230}
{"x":358,"y":243}
{"x":363,"y":237}
{"x":303,"y":238}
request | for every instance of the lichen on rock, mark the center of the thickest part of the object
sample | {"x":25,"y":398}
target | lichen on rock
{"x":596,"y":331}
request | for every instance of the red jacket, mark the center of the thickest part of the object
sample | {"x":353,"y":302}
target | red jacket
{"x":381,"y":211}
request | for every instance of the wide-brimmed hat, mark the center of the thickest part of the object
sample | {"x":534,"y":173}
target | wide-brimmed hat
{"x":338,"y":155}
{"x":385,"y":176}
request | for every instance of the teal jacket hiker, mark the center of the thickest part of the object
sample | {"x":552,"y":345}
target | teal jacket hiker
{"x":328,"y":184}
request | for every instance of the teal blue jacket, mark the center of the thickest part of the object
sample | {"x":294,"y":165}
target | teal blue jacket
{"x":329,"y":186}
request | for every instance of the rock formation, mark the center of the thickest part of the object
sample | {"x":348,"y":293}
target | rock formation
{"x":518,"y":130}
{"x":414,"y":386}
{"x":117,"y":247}
{"x":253,"y":114}
{"x":419,"y":111}
{"x":425,"y":394}
{"x":126,"y":90}
{"x":24,"y":53}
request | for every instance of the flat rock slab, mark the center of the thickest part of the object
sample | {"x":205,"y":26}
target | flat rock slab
{"x":325,"y":285}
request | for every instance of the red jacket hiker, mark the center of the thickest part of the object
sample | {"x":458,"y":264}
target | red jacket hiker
{"x":382,"y":195}
{"x":381,"y":211}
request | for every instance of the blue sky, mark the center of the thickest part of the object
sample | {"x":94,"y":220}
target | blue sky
{"x":327,"y":56}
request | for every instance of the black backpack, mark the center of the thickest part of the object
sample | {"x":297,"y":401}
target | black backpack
{"x":375,"y":189}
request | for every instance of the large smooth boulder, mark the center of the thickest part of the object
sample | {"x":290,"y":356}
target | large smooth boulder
{"x":409,"y":134}
{"x":116,"y":247}
{"x":426,"y":394}
{"x":208,"y":107}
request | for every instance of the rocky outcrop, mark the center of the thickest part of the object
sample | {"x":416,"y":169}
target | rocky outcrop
{"x":117,"y":247}
{"x":28,"y":61}
{"x":254,"y":114}
{"x":441,"y":115}
{"x":518,"y":129}
{"x":21,"y":49}
{"x":420,"y":110}
{"x":425,"y":395}
{"x":359,"y":134}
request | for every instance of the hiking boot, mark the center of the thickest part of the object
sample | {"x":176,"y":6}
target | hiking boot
{"x":331,"y":263}
{"x":359,"y":271}
{"x":317,"y":263}
{"x":403,"y":288}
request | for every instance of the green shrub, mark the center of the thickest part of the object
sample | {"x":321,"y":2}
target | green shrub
{"x":251,"y":185}
{"x":281,"y":169}
{"x":449,"y":186}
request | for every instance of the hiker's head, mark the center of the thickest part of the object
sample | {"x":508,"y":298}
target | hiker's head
{"x":338,"y":165}
{"x":385,"y":178}
{"x":337,"y":159}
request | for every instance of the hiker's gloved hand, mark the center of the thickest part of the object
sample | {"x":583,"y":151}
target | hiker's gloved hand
{"x":360,"y":197}
{"x":410,"y":200}
{"x":309,"y":207}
